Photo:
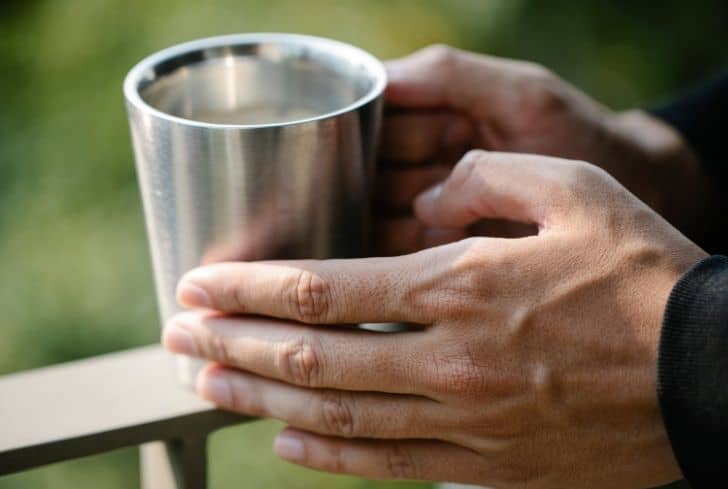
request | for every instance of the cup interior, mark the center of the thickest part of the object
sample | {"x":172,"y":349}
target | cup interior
{"x":243,"y":80}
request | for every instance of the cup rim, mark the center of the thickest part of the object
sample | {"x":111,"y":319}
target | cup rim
{"x":137,"y":73}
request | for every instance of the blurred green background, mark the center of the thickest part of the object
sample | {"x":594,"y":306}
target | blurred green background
{"x":75,"y":278}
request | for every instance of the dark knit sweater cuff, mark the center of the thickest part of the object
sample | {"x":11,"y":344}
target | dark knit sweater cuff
{"x":693,"y":372}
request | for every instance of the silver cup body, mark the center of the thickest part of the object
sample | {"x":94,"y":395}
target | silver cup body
{"x":250,"y":147}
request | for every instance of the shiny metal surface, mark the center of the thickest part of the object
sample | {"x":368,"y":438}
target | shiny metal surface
{"x":254,"y":146}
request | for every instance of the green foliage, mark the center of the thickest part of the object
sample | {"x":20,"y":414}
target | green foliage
{"x":76,"y":279}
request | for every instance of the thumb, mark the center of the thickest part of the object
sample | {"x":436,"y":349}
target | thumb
{"x":517,"y":187}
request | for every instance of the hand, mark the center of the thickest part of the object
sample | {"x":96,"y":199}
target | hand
{"x":535,"y":363}
{"x":442,"y":102}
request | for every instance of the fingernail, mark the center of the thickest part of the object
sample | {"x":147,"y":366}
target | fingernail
{"x":215,"y":387}
{"x":289,"y":447}
{"x":192,"y":295}
{"x":178,"y":340}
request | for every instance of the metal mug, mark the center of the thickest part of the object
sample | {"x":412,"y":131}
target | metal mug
{"x":253,"y":146}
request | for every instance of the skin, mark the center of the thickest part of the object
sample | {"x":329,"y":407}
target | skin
{"x":531,"y":361}
{"x":443,"y":101}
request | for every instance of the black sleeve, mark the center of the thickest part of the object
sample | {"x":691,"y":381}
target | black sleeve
{"x":702,"y":118}
{"x":693,"y":373}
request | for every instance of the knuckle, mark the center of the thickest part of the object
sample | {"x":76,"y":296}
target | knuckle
{"x":582,"y":178}
{"x":219,"y":348}
{"x":336,"y":461}
{"x":310,"y":297}
{"x":473,"y":271}
{"x":231,"y":297}
{"x":440,"y":56}
{"x":336,"y":414}
{"x":247,"y":404}
{"x":539,"y":73}
{"x":399,"y":463}
{"x":457,"y":373}
{"x":451,"y":288}
{"x":299,"y":362}
{"x":543,"y":91}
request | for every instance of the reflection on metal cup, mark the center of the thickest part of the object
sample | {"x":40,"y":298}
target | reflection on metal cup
{"x":253,"y":146}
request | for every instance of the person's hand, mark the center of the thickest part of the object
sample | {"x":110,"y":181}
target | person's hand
{"x":442,"y":102}
{"x":535,"y":362}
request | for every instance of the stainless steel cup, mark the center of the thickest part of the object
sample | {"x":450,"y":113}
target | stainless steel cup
{"x":253,"y":146}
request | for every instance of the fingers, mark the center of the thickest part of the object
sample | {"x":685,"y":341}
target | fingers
{"x":299,"y":355}
{"x":309,"y":291}
{"x":444,"y":77}
{"x":380,"y":459}
{"x":517,"y":187}
{"x":325,"y":411}
{"x":423,"y":136}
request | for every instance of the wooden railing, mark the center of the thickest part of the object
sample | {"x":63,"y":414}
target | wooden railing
{"x":103,"y":403}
